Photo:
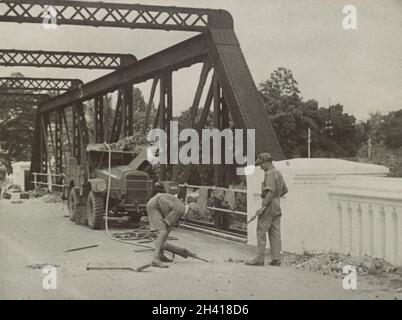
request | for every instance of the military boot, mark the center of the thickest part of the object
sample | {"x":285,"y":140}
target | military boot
{"x":255,"y":262}
{"x":159,"y":264}
{"x":163,"y":258}
{"x":275,"y":263}
{"x":259,"y":260}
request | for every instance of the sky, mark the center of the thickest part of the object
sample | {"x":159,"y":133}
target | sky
{"x":360,"y":69}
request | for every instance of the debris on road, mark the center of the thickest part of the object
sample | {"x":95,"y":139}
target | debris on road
{"x":333,"y":263}
{"x":376,"y":271}
{"x":82,"y":248}
{"x":231,"y":260}
{"x":53,"y":197}
{"x":144,"y":250}
{"x":14,"y":193}
{"x":45,"y":195}
{"x":38,"y":192}
{"x":40,"y":266}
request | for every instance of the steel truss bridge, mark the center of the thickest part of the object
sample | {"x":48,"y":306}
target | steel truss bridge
{"x":231,"y":94}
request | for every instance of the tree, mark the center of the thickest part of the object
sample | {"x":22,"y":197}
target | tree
{"x":340,"y":128}
{"x":385,"y":129}
{"x":16,"y":137}
{"x":334,"y":133}
{"x":392,"y":130}
{"x":17,"y":122}
{"x":138,"y":100}
{"x":140,"y":107}
{"x":5,"y":167}
{"x":374,"y":127}
{"x":280,"y":83}
{"x":185,"y":119}
{"x":280,"y":91}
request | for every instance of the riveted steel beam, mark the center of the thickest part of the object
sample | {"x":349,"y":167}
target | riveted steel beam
{"x":8,"y":98}
{"x":178,"y":56}
{"x":64,"y":59}
{"x":38,"y":84}
{"x":100,"y":14}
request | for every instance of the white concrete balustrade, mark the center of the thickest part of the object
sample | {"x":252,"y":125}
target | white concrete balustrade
{"x":335,"y":205}
{"x":368,"y":213}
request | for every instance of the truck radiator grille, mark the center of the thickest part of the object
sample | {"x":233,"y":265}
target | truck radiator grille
{"x":139,"y":189}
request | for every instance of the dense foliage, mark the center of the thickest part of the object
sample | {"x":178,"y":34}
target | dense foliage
{"x":334,"y":133}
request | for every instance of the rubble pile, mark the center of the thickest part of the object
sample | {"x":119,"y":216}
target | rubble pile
{"x":54,"y":197}
{"x":44,"y":195}
{"x":129,"y":143}
{"x":333,"y":263}
{"x":38,"y":193}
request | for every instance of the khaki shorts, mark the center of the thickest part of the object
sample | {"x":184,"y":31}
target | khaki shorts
{"x":155,"y":219}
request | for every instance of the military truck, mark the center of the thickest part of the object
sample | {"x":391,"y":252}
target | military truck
{"x":131,"y":184}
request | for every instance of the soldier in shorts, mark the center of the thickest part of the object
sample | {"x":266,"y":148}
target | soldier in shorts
{"x":269,"y":219}
{"x":164,"y":211}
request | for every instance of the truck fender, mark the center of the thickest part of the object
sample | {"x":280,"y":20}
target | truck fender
{"x":98,"y":185}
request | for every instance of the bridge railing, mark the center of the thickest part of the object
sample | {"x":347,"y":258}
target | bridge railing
{"x":51,"y":181}
{"x":222,"y":209}
{"x":367,"y":216}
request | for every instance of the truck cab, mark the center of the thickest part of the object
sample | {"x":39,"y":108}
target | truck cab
{"x":129,"y":188}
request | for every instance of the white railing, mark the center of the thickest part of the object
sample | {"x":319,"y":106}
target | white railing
{"x":367,"y":215}
{"x":50,"y":180}
{"x":210,"y":211}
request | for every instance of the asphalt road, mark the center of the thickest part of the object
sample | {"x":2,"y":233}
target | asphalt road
{"x":35,"y":234}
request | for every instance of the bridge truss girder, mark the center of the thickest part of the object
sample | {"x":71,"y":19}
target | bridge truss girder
{"x":64,"y":59}
{"x":219,"y":53}
{"x":38,"y":84}
{"x":71,"y":60}
{"x":18,"y":99}
{"x":99,"y":14}
{"x":232,"y":91}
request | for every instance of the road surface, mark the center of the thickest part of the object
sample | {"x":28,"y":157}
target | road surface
{"x":35,"y":234}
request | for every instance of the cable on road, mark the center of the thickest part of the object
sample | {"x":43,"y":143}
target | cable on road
{"x":116,"y":237}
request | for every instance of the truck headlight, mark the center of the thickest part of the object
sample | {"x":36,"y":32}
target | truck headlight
{"x":101,"y":186}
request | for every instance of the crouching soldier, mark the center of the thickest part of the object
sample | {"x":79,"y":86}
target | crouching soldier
{"x":164,"y":211}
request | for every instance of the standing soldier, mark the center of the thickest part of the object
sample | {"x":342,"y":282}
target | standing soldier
{"x":269,"y":216}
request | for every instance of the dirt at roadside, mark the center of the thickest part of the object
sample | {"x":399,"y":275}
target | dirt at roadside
{"x":375,"y":271}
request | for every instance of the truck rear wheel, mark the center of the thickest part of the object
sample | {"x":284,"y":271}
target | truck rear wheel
{"x":95,"y":210}
{"x":73,"y":205}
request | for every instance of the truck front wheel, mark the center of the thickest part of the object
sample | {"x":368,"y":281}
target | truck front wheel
{"x":73,"y":205}
{"x":95,"y":210}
